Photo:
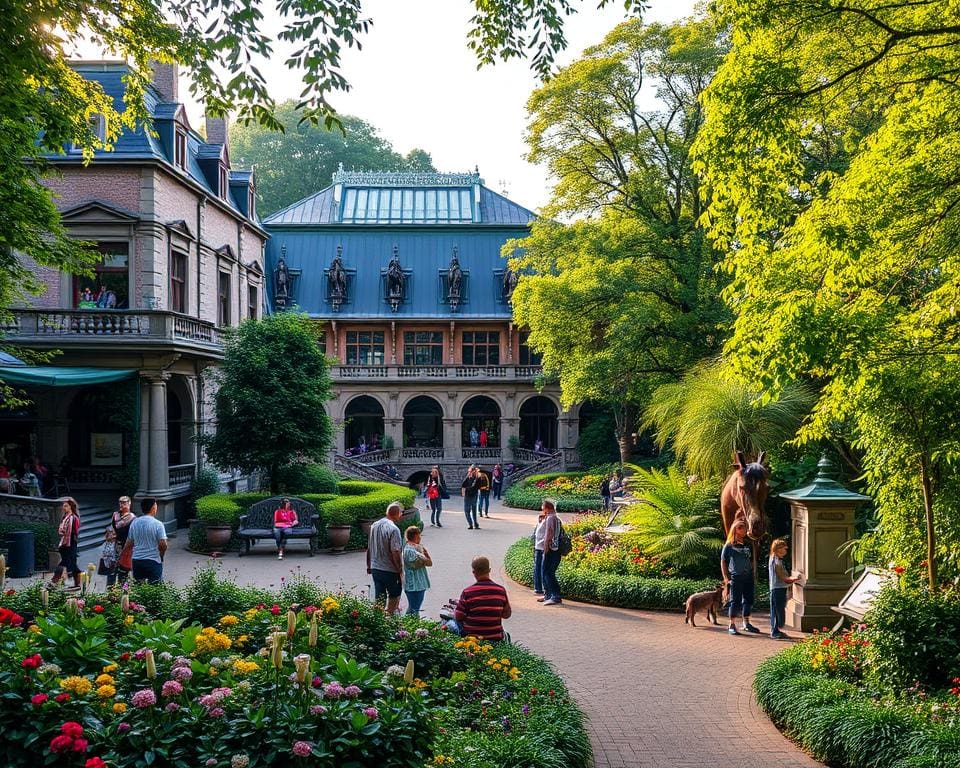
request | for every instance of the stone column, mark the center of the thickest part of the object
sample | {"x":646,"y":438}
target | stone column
{"x":143,"y":480}
{"x":158,"y":476}
{"x":393,"y":427}
{"x":452,"y":441}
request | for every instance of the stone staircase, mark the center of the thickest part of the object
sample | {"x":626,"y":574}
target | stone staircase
{"x":552,"y":462}
{"x":348,"y":467}
{"x":95,"y":516}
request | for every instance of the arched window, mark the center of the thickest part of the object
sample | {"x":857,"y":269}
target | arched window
{"x":423,"y":423}
{"x":481,"y":413}
{"x":538,"y":422}
{"x":364,"y":421}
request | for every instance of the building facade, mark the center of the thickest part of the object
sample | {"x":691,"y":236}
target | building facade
{"x":404,"y":276}
{"x":182,"y":258}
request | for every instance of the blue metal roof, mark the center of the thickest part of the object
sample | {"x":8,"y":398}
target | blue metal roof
{"x":140,"y":144}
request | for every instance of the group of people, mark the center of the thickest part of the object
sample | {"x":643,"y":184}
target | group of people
{"x":37,"y":479}
{"x":363,"y":446}
{"x":104,"y":298}
{"x":478,"y":439}
{"x":736,"y":565}
{"x":132,"y":545}
{"x":475,"y":490}
{"x":398,"y":564}
{"x":611,"y":487}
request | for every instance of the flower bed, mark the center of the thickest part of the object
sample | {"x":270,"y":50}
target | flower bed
{"x":574,"y":491}
{"x":885,"y":694}
{"x":608,"y":570}
{"x":326,"y":680}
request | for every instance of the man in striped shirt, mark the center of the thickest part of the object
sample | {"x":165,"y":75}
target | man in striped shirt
{"x":482,"y":606}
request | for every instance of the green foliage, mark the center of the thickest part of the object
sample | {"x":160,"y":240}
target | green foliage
{"x":633,"y":294}
{"x":208,"y":596}
{"x":206,"y":482}
{"x":914,"y":637}
{"x":677,"y":520}
{"x":300,"y":478}
{"x":350,"y":510}
{"x":598,"y":443}
{"x":220,"y":509}
{"x":606,"y":588}
{"x":269,"y":405}
{"x":708,"y":415}
{"x":841,"y":725}
{"x":44,"y":539}
{"x":526,"y":494}
{"x":302,"y":160}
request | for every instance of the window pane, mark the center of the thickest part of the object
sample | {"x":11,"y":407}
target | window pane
{"x":466,"y":213}
{"x":395,"y":197}
{"x":408,"y":337}
{"x":351,"y":337}
{"x":431,"y":204}
{"x":407,"y":204}
{"x":361,"y":205}
{"x":418,"y":203}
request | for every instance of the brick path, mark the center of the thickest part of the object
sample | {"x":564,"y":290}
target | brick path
{"x":657,"y":693}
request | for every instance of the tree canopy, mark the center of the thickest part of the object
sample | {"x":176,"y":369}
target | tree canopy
{"x":272,"y":389}
{"x":832,"y":155}
{"x":301,"y":160}
{"x":625,"y":297}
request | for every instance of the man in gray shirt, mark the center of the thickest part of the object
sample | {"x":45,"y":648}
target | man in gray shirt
{"x":149,"y":539}
{"x":384,"y":561}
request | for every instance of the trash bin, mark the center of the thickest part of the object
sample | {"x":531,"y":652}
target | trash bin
{"x":20,"y":562}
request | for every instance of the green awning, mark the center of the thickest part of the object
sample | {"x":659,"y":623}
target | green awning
{"x":55,"y":376}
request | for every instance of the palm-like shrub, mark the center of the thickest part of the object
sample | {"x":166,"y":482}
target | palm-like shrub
{"x":676,"y":520}
{"x":707,"y":415}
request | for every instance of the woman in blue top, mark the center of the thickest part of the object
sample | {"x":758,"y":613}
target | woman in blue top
{"x":415,"y":562}
{"x":736,"y":564}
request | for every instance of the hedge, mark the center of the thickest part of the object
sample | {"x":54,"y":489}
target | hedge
{"x":43,"y":540}
{"x":840,"y":724}
{"x":526,"y":495}
{"x":606,"y":588}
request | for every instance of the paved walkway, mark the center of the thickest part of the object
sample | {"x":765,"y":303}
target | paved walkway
{"x":657,"y":692}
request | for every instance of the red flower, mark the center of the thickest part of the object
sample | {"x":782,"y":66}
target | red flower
{"x":354,"y":614}
{"x":80,"y":745}
{"x":94,"y":762}
{"x":31,"y":662}
{"x":98,"y":609}
{"x":9,"y":617}
{"x":551,"y":693}
{"x":72,"y":729}
{"x":10,"y":592}
{"x":275,"y":609}
{"x":316,"y":682}
{"x":899,"y":569}
{"x":38,"y":698}
{"x":61,"y":743}
{"x":533,"y":691}
{"x":62,"y":698}
{"x":125,"y":656}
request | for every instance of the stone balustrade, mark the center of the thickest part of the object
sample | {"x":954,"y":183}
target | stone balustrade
{"x":432,"y":372}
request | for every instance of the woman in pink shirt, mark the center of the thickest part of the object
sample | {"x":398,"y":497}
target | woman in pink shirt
{"x":284,"y":518}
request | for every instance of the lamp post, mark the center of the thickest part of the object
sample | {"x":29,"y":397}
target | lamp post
{"x":822,"y":521}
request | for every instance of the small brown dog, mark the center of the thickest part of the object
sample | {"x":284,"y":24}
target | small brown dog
{"x":709,"y":601}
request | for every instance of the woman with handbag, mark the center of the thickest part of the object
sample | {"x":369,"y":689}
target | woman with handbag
{"x":435,"y":489}
{"x":120,"y":522}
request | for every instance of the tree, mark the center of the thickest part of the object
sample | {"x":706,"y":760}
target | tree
{"x":625,"y":298}
{"x":272,"y":389}
{"x":298,"y":162}
{"x":708,"y":415}
{"x":845,"y":271}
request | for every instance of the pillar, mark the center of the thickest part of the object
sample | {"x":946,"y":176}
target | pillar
{"x":452,"y":441}
{"x":144,"y":477}
{"x":158,"y":475}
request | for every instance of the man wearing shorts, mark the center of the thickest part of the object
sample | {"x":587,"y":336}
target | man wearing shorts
{"x":384,"y":558}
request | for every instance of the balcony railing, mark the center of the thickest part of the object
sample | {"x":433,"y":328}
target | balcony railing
{"x":123,"y":325}
{"x":482,"y":453}
{"x":181,"y":474}
{"x":432,"y":372}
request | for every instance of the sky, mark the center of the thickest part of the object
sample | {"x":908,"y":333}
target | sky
{"x":417,"y":81}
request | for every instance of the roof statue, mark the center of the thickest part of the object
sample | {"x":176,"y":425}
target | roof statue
{"x":282,"y":279}
{"x":396,"y":281}
{"x":337,"y":279}
{"x":510,"y":280}
{"x":454,"y":281}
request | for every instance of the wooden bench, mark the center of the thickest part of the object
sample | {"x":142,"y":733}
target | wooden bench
{"x":257,"y":523}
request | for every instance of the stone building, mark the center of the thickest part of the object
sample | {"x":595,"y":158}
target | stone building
{"x":404,"y":274}
{"x":182,"y":259}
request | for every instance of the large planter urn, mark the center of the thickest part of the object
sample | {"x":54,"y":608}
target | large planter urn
{"x":410,"y":515}
{"x":365,"y":526}
{"x":218,"y":536}
{"x":338,"y":536}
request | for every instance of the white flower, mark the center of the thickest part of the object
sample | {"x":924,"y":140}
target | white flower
{"x":239,"y":761}
{"x":395,"y":670}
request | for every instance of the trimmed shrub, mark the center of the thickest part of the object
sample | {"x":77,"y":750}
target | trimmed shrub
{"x":298,"y":479}
{"x":526,"y":495}
{"x":606,"y":588}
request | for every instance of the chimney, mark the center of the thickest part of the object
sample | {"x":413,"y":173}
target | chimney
{"x":217,"y":130}
{"x":165,"y":78}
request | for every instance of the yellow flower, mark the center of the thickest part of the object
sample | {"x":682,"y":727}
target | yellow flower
{"x":497,"y":666}
{"x":211,"y":641}
{"x":505,"y":662}
{"x":106,"y":691}
{"x":329,"y":604}
{"x":109,"y":668}
{"x":119,"y":707}
{"x":242,"y":667}
{"x":78,"y":685}
{"x":229,"y":620}
{"x":104,"y":679}
{"x":242,"y":639}
{"x":33,"y":628}
{"x":249,"y":613}
{"x":213,"y":672}
{"x":128,"y":619}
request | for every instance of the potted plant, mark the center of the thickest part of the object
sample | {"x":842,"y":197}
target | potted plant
{"x":219,"y":514}
{"x":339,"y":525}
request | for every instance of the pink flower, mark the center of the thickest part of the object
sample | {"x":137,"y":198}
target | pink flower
{"x":72,"y":729}
{"x":38,"y":698}
{"x":216,"y":712}
{"x":171,"y":688}
{"x":138,"y":655}
{"x":275,"y":610}
{"x":316,"y":682}
{"x":143,"y":699}
{"x":318,"y":709}
{"x":352,"y":691}
{"x":80,"y":745}
{"x":371,"y":712}
{"x":181,"y":673}
{"x":310,"y":610}
{"x":402,"y":634}
{"x":333,"y":690}
{"x":172,"y":707}
{"x":302,"y":748}
{"x":61,"y":743}
{"x":123,"y":727}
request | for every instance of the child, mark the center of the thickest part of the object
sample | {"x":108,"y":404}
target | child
{"x":778,"y":588}
{"x":736,"y":565}
{"x":415,"y":562}
{"x":108,"y":553}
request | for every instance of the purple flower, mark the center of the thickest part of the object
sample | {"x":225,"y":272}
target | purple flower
{"x":422,"y":632}
{"x":211,"y":761}
{"x":402,"y":634}
{"x":181,"y":673}
{"x":371,"y":712}
{"x":333,"y":690}
{"x":172,"y":707}
{"x":302,"y":748}
{"x":138,"y":655}
{"x":143,"y":699}
{"x":216,"y":712}
{"x":171,"y":688}
{"x":123,"y":727}
{"x":525,"y":709}
{"x":506,"y":724}
{"x":318,"y":709}
{"x":352,"y":691}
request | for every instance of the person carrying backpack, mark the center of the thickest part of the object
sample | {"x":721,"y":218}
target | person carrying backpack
{"x":553,"y":531}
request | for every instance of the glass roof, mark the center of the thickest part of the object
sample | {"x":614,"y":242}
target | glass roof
{"x":414,"y":205}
